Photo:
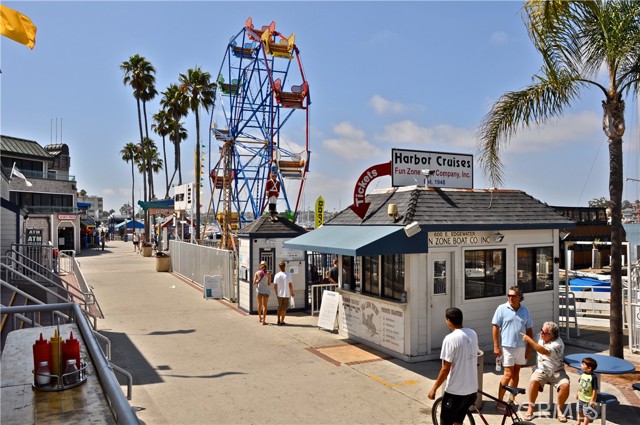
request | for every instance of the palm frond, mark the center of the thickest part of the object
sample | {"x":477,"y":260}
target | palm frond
{"x":533,"y":105}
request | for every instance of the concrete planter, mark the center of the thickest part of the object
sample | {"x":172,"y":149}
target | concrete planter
{"x":163,"y":263}
{"x":147,"y":251}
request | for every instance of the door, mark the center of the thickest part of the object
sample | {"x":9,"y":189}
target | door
{"x":439,"y":296}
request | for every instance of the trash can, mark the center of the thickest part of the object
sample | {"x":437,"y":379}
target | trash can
{"x":480,"y":364}
{"x":163,"y":262}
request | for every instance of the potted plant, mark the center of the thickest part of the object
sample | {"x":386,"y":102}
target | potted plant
{"x":147,"y":249}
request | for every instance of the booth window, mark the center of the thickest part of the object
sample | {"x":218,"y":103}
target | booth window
{"x":371,"y":279}
{"x":535,"y":269}
{"x":379,"y":276}
{"x":484,"y":273}
{"x":393,"y":276}
{"x":350,"y":271}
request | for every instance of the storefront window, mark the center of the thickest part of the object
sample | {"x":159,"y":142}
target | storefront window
{"x":535,"y":269}
{"x":393,"y":276}
{"x":484,"y":273}
{"x":370,"y":280}
{"x":350,"y":272}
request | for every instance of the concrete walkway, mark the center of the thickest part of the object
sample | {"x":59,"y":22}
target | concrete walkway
{"x":198,"y":361}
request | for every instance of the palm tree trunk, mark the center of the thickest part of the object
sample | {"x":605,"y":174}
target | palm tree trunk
{"x":166,"y":167}
{"x":133,"y":195}
{"x":614,"y":127}
{"x":197,"y":177}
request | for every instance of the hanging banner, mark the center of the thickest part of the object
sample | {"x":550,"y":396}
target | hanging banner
{"x":319,"y":212}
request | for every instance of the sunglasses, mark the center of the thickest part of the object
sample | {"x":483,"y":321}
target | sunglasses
{"x":512,"y":296}
{"x":542,"y":332}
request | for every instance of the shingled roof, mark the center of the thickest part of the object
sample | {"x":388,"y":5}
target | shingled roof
{"x":437,"y":209}
{"x":265,"y":227}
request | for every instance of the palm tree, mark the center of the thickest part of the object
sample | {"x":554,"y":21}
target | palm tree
{"x":139,"y":74}
{"x":129,"y":153}
{"x":199,"y":92}
{"x":176,"y":129}
{"x":173,"y":102}
{"x":161,"y":127}
{"x":581,"y":42}
{"x":150,"y":163}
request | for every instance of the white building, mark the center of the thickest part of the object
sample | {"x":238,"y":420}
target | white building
{"x":402,"y":266}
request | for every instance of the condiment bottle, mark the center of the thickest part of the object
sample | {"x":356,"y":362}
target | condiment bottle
{"x":41,"y":353}
{"x":56,"y":341}
{"x":70,"y":373}
{"x":71,"y":350}
{"x":42,"y":374}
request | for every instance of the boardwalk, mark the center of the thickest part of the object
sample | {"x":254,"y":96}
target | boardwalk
{"x":198,"y":361}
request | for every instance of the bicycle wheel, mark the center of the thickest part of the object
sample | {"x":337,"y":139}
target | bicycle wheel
{"x":435,"y":414}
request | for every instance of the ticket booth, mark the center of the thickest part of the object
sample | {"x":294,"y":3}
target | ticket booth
{"x":263,"y":240}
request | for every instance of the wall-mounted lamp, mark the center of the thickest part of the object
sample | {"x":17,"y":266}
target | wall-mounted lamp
{"x":412,"y":229}
{"x":498,"y":237}
{"x":564,"y":235}
{"x":392,"y":211}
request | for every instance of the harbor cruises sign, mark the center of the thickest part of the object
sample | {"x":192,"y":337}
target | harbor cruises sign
{"x":453,"y":170}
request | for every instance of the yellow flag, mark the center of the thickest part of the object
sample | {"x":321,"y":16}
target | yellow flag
{"x":319,"y":221}
{"x":17,"y":26}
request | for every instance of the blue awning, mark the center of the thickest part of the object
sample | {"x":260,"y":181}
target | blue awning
{"x":359,"y":241}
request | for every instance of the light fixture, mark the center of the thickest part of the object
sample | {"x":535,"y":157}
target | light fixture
{"x":564,"y":235}
{"x":412,"y":229}
{"x":392,"y":211}
{"x":498,"y":237}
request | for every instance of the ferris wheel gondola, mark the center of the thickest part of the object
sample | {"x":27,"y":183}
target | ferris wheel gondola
{"x":253,"y":108}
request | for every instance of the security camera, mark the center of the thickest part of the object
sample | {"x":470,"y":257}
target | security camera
{"x":427,"y":172}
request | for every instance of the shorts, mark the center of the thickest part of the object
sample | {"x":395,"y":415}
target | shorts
{"x":455,"y":407}
{"x":558,"y":378}
{"x":512,"y":356}
{"x":283,"y":303}
{"x":588,"y":411}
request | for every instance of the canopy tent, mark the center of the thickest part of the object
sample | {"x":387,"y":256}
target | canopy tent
{"x":130,"y":225}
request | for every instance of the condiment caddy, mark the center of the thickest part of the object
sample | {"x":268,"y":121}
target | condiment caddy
{"x":56,"y":363}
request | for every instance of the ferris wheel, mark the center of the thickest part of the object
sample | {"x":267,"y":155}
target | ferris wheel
{"x":262,"y":90}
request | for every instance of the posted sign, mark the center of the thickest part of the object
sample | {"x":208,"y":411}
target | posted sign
{"x":451,"y":170}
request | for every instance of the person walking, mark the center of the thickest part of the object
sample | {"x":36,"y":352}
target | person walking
{"x":102,"y":239}
{"x":135,"y":242}
{"x":509,"y":320}
{"x":549,"y":368}
{"x":262,"y":282}
{"x":459,"y":355}
{"x":283,"y":288}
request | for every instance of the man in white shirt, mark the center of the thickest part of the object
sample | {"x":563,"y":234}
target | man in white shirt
{"x":284,"y":289}
{"x":459,"y":358}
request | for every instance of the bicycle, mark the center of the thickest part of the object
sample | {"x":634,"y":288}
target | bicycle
{"x":510,"y":411}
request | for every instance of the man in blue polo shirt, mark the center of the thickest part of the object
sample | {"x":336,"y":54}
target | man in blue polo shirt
{"x":509,"y":320}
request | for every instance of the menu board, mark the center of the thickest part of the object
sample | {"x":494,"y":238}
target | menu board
{"x":328,"y":310}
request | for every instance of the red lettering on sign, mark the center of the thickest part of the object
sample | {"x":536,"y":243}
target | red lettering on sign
{"x":360,"y":206}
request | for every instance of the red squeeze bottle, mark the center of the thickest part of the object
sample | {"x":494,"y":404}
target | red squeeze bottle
{"x":41,"y":353}
{"x":71,"y":350}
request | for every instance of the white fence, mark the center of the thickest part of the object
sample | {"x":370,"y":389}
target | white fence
{"x":194,"y":262}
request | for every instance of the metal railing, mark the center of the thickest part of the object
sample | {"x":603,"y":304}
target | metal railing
{"x":44,"y":175}
{"x":316,"y":295}
{"x":120,"y":407}
{"x":194,"y":262}
{"x":10,"y":273}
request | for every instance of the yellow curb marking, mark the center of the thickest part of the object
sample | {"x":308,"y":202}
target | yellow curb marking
{"x":388,"y":384}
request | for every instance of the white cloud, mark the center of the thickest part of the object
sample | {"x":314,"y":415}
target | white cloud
{"x":441,"y":135}
{"x":570,"y":128}
{"x":350,"y":143}
{"x":383,"y":106}
{"x":499,"y":38}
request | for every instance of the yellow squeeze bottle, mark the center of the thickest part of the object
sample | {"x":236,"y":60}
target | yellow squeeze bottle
{"x":56,"y":340}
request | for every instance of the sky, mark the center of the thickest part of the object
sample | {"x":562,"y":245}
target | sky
{"x":382,"y":75}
